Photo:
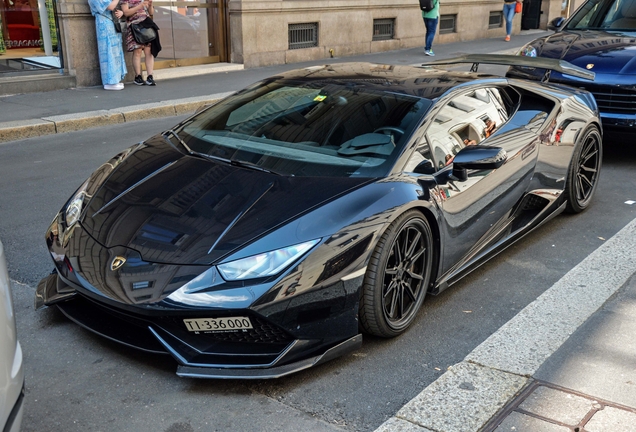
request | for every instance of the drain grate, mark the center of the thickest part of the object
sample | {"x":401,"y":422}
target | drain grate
{"x":542,"y":402}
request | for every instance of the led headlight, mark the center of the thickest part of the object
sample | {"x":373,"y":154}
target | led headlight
{"x":265,"y":264}
{"x":74,"y":207}
{"x":528,"y":51}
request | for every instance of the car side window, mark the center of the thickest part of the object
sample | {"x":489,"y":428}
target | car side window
{"x":468,"y":119}
{"x":421,"y":161}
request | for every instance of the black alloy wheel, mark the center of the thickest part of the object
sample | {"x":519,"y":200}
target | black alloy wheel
{"x":397,"y":276}
{"x":585,"y":168}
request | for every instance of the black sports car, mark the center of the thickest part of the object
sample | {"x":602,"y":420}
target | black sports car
{"x":260,"y":236}
{"x":601,"y":37}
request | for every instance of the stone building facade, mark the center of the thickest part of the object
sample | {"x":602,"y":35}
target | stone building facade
{"x":266,"y":32}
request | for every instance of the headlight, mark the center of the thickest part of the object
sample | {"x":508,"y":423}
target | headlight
{"x":528,"y":51}
{"x":74,"y":208}
{"x":265,"y":264}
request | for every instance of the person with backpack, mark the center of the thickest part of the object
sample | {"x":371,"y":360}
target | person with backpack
{"x":430,"y":13}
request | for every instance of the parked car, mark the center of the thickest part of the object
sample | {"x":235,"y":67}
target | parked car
{"x":600,"y":36}
{"x":11,"y":370}
{"x":266,"y":233}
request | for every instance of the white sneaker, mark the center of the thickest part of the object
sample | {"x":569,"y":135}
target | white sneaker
{"x":118,"y":86}
{"x":429,"y":53}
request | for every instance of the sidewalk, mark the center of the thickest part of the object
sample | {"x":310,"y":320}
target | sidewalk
{"x":566,"y":362}
{"x":35,"y":114}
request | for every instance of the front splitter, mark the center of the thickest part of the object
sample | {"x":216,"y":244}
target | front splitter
{"x":342,"y":348}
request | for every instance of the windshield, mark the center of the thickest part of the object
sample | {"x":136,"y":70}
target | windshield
{"x":619,"y":15}
{"x":313,"y":128}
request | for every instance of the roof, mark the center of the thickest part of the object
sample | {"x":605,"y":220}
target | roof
{"x":410,"y":80}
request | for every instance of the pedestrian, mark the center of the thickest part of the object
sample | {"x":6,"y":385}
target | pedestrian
{"x":509,"y":14}
{"x":137,"y":11}
{"x":112,"y":64}
{"x":431,"y":19}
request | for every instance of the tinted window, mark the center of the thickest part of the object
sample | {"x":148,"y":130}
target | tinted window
{"x":318,"y":128}
{"x":607,"y":14}
{"x":467,"y":119}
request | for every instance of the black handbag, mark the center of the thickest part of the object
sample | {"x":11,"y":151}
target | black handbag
{"x":143,"y":35}
{"x":116,"y":21}
{"x":427,"y":5}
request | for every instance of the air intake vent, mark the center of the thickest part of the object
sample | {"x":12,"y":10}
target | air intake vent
{"x":383,"y":29}
{"x":303,"y":35}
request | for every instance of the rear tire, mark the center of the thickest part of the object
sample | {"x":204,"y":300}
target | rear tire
{"x":397,"y":277}
{"x":584,"y":171}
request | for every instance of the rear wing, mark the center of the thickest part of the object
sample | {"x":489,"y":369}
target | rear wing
{"x":517,"y":60}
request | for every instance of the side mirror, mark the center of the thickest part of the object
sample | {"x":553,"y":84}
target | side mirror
{"x":425,"y":167}
{"x":555,"y":24}
{"x":475,"y":158}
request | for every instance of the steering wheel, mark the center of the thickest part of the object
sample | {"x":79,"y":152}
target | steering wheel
{"x":385,"y":129}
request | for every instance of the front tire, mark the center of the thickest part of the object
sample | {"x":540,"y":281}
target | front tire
{"x":584,"y":171}
{"x":397,"y":277}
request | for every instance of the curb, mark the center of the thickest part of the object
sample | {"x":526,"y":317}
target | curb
{"x":22,"y":129}
{"x":469,"y":394}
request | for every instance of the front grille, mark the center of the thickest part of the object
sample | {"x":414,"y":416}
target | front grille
{"x":615,"y":100}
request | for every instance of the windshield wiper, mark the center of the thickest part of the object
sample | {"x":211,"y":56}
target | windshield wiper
{"x":253,"y":166}
{"x":174,"y":134}
{"x":241,"y":164}
{"x":236,"y":163}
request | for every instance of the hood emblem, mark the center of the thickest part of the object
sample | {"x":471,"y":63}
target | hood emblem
{"x":118,"y":261}
{"x":589,"y":66}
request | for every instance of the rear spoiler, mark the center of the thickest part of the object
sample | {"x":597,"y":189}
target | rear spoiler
{"x":517,"y":60}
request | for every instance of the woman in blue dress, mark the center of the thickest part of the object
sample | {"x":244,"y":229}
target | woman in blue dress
{"x":112,"y":63}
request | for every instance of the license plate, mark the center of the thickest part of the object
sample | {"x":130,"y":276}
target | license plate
{"x":217,"y":325}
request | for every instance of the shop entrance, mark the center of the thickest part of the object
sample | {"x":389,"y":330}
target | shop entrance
{"x":29,"y":36}
{"x":531,"y":15}
{"x":191,"y":32}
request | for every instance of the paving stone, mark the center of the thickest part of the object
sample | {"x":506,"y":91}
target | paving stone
{"x":612,"y":419}
{"x":463,"y":399}
{"x":557,"y":405}
{"x":398,"y":425}
{"x":523,"y":423}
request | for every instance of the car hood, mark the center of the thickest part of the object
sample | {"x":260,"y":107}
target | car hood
{"x":607,"y":52}
{"x":178,"y":209}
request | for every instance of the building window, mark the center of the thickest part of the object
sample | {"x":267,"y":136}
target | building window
{"x":303,"y":35}
{"x":447,"y":24}
{"x":495,"y":20}
{"x":383,"y":29}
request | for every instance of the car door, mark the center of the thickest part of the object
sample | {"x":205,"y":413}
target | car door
{"x":476,"y":211}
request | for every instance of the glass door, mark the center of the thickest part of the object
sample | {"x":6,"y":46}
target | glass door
{"x":28,"y":36}
{"x":191,"y":32}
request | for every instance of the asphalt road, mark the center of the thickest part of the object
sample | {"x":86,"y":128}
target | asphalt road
{"x":79,"y":382}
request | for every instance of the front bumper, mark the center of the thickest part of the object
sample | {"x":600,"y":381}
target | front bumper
{"x":618,"y":122}
{"x":266,"y":351}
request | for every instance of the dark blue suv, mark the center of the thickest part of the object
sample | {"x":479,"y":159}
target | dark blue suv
{"x":600,"y":36}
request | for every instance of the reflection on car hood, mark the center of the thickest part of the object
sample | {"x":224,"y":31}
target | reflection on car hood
{"x":608,"y":52}
{"x":179,"y":209}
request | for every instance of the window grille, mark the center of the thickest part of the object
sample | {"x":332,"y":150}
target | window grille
{"x":304,"y":35}
{"x":495,"y":20}
{"x":383,"y":29}
{"x":447,"y":24}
